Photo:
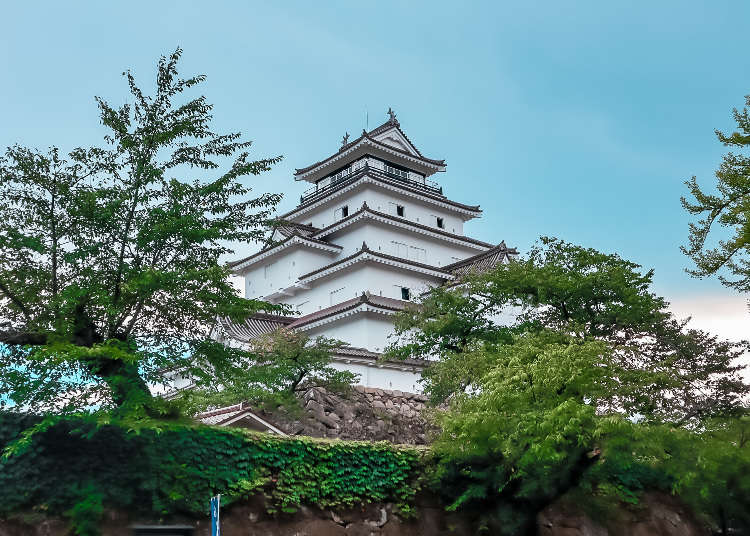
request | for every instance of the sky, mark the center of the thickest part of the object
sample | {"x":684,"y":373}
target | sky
{"x":579,"y":120}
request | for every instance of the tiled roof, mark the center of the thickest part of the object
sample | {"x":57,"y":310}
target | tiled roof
{"x":260,"y":323}
{"x":379,"y":176}
{"x":220,"y":415}
{"x":380,"y":302}
{"x":483,"y":261}
{"x":365,"y":250}
{"x":356,"y":352}
{"x":255,"y":326}
{"x":230,"y":414}
{"x":297,"y":235}
{"x":366,"y":209}
{"x":288,"y":228}
{"x":388,"y":125}
{"x":369,"y":136}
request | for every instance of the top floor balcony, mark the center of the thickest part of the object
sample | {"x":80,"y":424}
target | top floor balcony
{"x":410,"y":178}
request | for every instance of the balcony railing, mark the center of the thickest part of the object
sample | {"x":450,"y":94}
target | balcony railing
{"x":410,"y":178}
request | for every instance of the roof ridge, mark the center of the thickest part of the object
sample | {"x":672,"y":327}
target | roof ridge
{"x":366,"y":208}
{"x":295,"y":234}
{"x":468,"y":260}
{"x":379,"y":176}
{"x":366,"y":250}
{"x":347,"y":305}
{"x":363,"y":136}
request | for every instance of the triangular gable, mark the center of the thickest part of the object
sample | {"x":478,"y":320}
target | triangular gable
{"x":397,"y":139}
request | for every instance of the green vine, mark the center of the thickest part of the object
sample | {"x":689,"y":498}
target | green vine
{"x":175,"y":469}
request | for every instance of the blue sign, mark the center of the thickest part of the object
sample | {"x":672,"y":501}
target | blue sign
{"x":215,"y":525}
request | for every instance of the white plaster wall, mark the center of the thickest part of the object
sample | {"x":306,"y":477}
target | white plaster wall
{"x":378,"y":279}
{"x":363,"y":330}
{"x":381,"y":237}
{"x":383,"y":200}
{"x":381,"y":377}
{"x":285,"y":269}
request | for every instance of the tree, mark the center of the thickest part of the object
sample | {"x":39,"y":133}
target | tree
{"x":586,"y":294}
{"x":279,"y":366}
{"x":562,"y":373}
{"x":529,"y":432}
{"x":729,"y":209}
{"x":109,"y":258}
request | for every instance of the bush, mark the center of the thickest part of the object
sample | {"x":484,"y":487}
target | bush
{"x":76,"y":468}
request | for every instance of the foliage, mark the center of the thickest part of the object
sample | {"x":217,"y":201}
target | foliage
{"x":77,"y":468}
{"x":531,"y":434}
{"x":564,"y":374}
{"x":281,"y":363}
{"x":677,"y":374}
{"x":730,"y":210}
{"x":532,"y":423}
{"x":109,"y":257}
{"x":712,"y":470}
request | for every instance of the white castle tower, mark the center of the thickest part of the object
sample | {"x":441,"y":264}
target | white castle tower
{"x":371,"y":234}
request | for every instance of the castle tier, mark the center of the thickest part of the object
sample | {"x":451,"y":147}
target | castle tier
{"x":371,"y":234}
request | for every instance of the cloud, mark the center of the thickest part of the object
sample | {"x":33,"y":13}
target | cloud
{"x":725,"y":315}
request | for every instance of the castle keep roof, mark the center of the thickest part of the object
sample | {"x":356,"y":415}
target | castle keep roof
{"x":397,"y":146}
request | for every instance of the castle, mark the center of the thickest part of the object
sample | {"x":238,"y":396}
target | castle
{"x":372,"y":232}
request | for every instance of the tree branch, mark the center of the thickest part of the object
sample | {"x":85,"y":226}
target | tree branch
{"x":19,"y":338}
{"x":12,"y":297}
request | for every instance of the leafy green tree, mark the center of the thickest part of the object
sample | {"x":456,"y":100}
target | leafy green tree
{"x":729,"y":209}
{"x":677,"y":374}
{"x":711,"y":470}
{"x":109,"y":257}
{"x":279,"y":365}
{"x":530,"y":431}
{"x":562,"y":373}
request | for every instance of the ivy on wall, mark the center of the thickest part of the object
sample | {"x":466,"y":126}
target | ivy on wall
{"x":77,"y":469}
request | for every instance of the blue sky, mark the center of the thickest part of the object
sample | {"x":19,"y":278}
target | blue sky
{"x":579,"y":119}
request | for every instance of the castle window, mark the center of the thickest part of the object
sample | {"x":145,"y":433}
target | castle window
{"x":399,"y":173}
{"x":440,"y":223}
{"x":405,"y":293}
{"x":341,"y":213}
{"x":400,"y":210}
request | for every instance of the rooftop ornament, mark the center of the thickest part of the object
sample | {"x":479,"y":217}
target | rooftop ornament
{"x":392,"y":116}
{"x":345,"y":139}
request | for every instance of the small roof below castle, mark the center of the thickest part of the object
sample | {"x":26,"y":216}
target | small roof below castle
{"x":482,"y":262}
{"x":255,"y":326}
{"x":386,"y":140}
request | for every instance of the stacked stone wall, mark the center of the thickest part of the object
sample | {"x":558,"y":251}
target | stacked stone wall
{"x":363,"y":413}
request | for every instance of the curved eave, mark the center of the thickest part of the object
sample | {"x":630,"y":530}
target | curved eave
{"x":373,"y":177}
{"x":363,"y":307}
{"x":241,"y":266}
{"x":375,"y":359}
{"x":365,"y":255}
{"x":366,"y":212}
{"x":363,"y":146}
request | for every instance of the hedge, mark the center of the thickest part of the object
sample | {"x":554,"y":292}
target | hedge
{"x":76,"y":468}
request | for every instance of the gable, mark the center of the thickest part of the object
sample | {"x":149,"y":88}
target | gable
{"x":396,"y":139}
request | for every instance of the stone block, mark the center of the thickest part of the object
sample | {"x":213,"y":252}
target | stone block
{"x":326,"y":420}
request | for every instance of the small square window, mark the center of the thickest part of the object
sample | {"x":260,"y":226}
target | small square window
{"x":405,"y":293}
{"x":400,"y":210}
{"x":440,"y":223}
{"x":344,"y":211}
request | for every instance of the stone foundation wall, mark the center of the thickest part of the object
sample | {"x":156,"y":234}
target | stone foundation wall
{"x":363,"y":413}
